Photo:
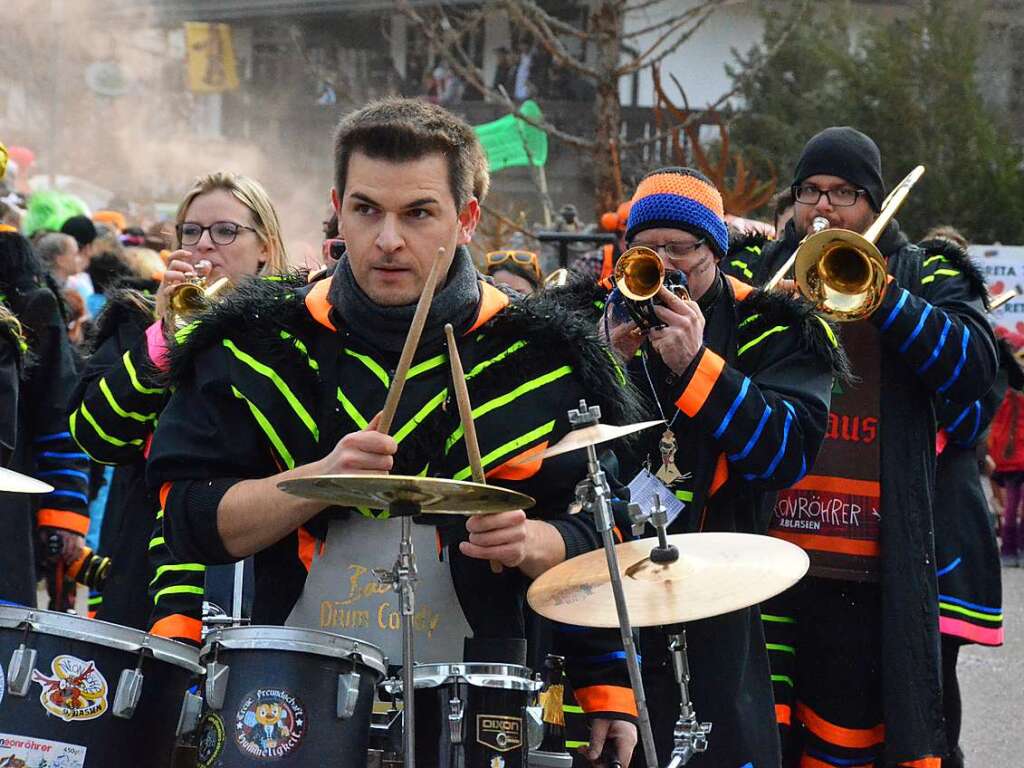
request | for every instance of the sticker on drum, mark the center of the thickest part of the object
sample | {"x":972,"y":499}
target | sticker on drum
{"x":499,"y":732}
{"x":211,"y":740}
{"x":270,"y":724}
{"x":25,"y":752}
{"x":497,"y":762}
{"x":77,"y":690}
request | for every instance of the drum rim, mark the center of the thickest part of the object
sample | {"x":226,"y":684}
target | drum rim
{"x":295,"y":639}
{"x":100,"y":633}
{"x":476,"y":674}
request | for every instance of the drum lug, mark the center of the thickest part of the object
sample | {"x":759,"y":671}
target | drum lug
{"x":19,"y":671}
{"x":129,"y":689}
{"x":534,"y":727}
{"x":216,"y":684}
{"x":456,"y":711}
{"x":348,"y":694}
{"x":191,"y":711}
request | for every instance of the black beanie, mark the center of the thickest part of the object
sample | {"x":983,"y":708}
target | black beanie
{"x":847,"y":153}
{"x":81,"y":228}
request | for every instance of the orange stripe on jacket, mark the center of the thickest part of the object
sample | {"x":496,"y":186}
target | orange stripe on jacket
{"x":851,"y":738}
{"x":62,"y":518}
{"x":318,"y":305}
{"x":178,"y":627}
{"x":924,"y":762}
{"x":739,"y":289}
{"x":522,"y":466}
{"x":308,"y":547}
{"x":492,"y":301}
{"x":806,"y":761}
{"x":830,"y":543}
{"x":72,"y":570}
{"x":165,"y":491}
{"x":783,"y":714}
{"x":720,"y":476}
{"x":697,"y":391}
{"x":838,"y":485}
{"x":607,"y":698}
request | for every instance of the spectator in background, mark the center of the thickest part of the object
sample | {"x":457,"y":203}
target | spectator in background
{"x":113,"y":219}
{"x":78,"y":323}
{"x":504,"y":71}
{"x":84,"y":231}
{"x":782,"y":205}
{"x":1006,"y":447}
{"x":59,"y":254}
{"x":523,"y":87}
{"x":518,"y":270}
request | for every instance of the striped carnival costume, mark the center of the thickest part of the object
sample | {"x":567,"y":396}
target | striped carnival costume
{"x":747,"y":415}
{"x":854,"y":647}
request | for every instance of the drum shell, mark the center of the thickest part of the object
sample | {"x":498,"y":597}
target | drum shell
{"x":147,"y":737}
{"x":482,"y":707}
{"x":328,"y":741}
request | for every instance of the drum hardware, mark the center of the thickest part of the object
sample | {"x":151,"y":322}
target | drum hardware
{"x":599,"y":504}
{"x":191,"y":713}
{"x":348,"y":695}
{"x":216,"y":684}
{"x":456,"y":713}
{"x":690,"y":736}
{"x":595,"y":435}
{"x":129,"y":688}
{"x":23,"y":661}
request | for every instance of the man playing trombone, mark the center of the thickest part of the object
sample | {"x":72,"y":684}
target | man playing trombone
{"x":854,"y":646}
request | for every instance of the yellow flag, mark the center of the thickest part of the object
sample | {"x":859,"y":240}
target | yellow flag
{"x":210,"y":58}
{"x":3,"y":159}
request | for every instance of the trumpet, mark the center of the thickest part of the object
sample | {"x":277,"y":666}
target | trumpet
{"x":192,"y":297}
{"x":639,"y":275}
{"x":842,"y":272}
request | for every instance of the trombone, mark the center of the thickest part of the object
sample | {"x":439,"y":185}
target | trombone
{"x":842,"y":272}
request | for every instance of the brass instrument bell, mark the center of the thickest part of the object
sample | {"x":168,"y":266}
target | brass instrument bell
{"x":639,"y":275}
{"x":192,"y":297}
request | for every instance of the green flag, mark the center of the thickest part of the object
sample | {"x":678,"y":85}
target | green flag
{"x":511,"y":141}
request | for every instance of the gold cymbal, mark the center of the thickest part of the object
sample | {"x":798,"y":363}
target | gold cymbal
{"x":716,"y":573}
{"x":15,"y":482}
{"x":599,"y":433}
{"x":435,"y":495}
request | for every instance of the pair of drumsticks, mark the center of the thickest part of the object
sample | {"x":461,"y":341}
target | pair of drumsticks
{"x":412,"y":341}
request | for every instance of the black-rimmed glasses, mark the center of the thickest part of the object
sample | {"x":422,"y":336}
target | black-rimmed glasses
{"x":221,"y":232}
{"x":843,"y":197}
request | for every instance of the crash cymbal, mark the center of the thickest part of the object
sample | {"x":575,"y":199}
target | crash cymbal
{"x":15,"y":482}
{"x":716,"y":573}
{"x":432,"y":494}
{"x":599,"y":433}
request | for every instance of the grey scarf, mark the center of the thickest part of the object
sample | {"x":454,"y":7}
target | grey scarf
{"x":385,"y":328}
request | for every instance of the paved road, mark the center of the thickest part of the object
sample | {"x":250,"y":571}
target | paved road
{"x":992,"y":686}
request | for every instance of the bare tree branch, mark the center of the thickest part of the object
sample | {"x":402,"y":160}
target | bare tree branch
{"x":690,"y":13}
{"x":642,"y":6}
{"x":549,"y":21}
{"x":652,"y":55}
{"x":517,"y":12}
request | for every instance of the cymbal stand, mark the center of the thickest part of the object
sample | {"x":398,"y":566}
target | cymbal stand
{"x":599,"y":503}
{"x":690,"y":736}
{"x":402,"y":578}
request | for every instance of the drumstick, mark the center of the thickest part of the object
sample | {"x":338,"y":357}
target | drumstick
{"x":412,"y":341}
{"x":466,"y":416}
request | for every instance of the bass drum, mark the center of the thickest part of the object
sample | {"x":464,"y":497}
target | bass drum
{"x":473,"y":715}
{"x":81,"y":693}
{"x":293,"y":697}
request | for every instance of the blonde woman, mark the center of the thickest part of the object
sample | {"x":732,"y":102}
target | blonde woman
{"x":226,"y":226}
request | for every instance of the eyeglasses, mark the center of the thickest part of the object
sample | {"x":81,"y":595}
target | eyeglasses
{"x":843,"y":197}
{"x":221,"y":232}
{"x":673,"y":249}
{"x":526,"y":259}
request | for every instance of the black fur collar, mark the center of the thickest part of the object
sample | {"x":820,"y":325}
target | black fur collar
{"x":959,"y":258}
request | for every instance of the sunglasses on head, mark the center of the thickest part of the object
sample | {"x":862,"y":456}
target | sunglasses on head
{"x":526,"y":259}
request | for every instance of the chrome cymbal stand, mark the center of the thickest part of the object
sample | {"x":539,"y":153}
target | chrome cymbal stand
{"x":598,"y":502}
{"x":402,"y":578}
{"x":690,"y":736}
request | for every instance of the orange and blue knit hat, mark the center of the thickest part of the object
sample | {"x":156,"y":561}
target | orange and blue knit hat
{"x":680,"y":198}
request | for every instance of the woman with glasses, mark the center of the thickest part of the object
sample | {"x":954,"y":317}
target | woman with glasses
{"x":518,"y":270}
{"x":226,"y":226}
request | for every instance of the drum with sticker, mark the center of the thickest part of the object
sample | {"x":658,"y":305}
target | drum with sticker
{"x":83,"y":693}
{"x":291,"y":697}
{"x":474,"y":715}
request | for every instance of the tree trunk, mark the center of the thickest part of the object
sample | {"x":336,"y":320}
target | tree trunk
{"x":607,"y":26}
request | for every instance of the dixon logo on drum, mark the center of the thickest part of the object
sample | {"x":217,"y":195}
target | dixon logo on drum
{"x":270,"y":724}
{"x":77,"y":690}
{"x":499,"y":732}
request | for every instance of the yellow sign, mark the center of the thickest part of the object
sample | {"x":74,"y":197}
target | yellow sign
{"x":210,"y":58}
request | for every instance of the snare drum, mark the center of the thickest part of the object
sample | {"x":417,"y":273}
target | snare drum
{"x":473,"y":715}
{"x":295,"y":697}
{"x":81,"y":692}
